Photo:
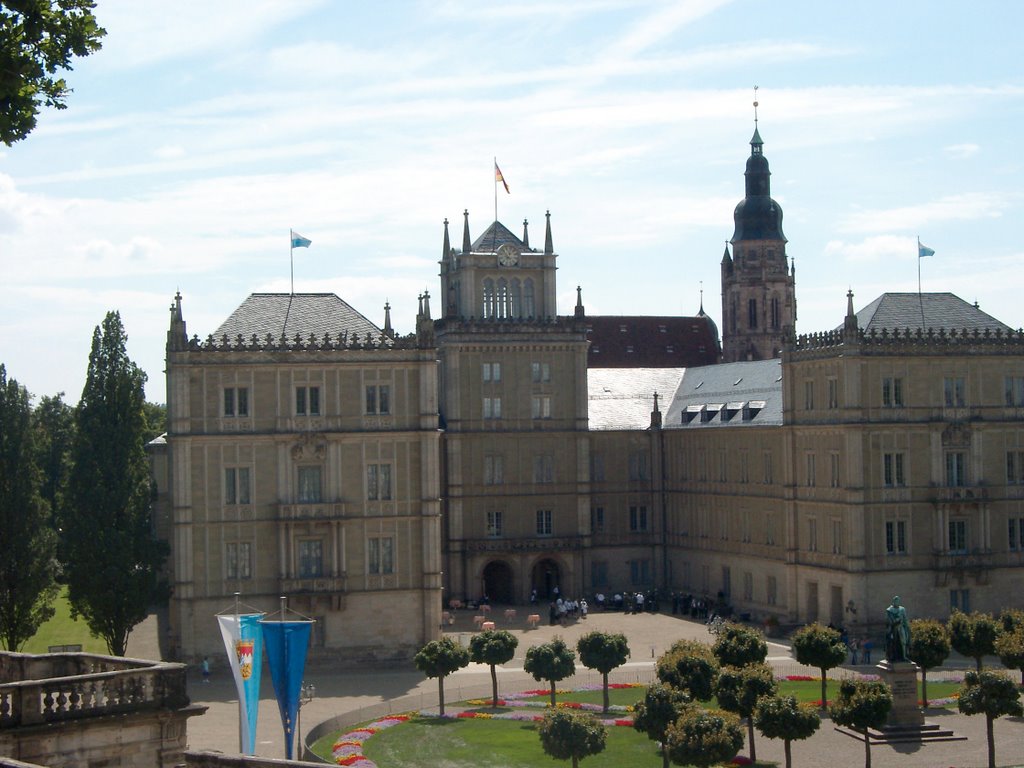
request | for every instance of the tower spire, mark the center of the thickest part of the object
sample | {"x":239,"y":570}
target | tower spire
{"x":548,"y":245}
{"x":526,"y":234}
{"x":446,"y":247}
{"x":467,"y":244}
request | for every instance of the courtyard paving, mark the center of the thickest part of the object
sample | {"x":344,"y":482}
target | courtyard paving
{"x":354,"y":696}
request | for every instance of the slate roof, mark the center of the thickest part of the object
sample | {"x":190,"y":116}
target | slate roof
{"x":301,"y":313}
{"x":623,"y":398}
{"x":651,"y":342}
{"x":941,"y":310}
{"x":747,"y":393}
{"x":496,"y":236}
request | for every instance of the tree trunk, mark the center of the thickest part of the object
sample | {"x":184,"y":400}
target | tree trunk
{"x":991,"y":741}
{"x":824,"y":690}
{"x":789,"y":753}
{"x":494,"y":687}
{"x":750,"y":730}
{"x":552,"y":693}
{"x":575,"y":762}
{"x":924,"y":686}
{"x":977,"y":662}
{"x":605,"y":677}
{"x":665,"y":762}
{"x":440,"y":694}
{"x":867,"y":749}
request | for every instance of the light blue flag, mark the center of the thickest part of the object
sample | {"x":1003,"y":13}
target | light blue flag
{"x":287,"y":643}
{"x":923,"y":250}
{"x":298,"y":241}
{"x":243,"y":642}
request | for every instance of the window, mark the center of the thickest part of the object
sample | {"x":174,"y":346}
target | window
{"x":494,"y":523}
{"x":723,"y":472}
{"x":236,"y":401}
{"x":597,"y":519}
{"x":238,"y":560}
{"x":598,"y":573}
{"x":1015,"y":533}
{"x":776,"y":321}
{"x":494,"y":469}
{"x":380,"y":555}
{"x":1015,"y":467}
{"x":771,"y":590}
{"x":236,"y":485}
{"x":956,"y":469}
{"x":726,"y":580}
{"x":960,"y":600}
{"x":752,"y":313}
{"x":957,"y":536}
{"x":543,"y":522}
{"x":1015,"y":390}
{"x":640,"y":572}
{"x":541,"y":406}
{"x":809,"y":395}
{"x":544,"y":469}
{"x":492,"y":371}
{"x":378,"y":482}
{"x":744,"y":526}
{"x":892,"y":470}
{"x":769,"y":529}
{"x":812,"y":535}
{"x":953,"y":390}
{"x":540,"y":372}
{"x":311,"y":558}
{"x":597,"y":468}
{"x":744,"y":467}
{"x":767,"y":466}
{"x":492,"y":407}
{"x":810,"y":475}
{"x":833,"y":393}
{"x":638,"y":465}
{"x":307,"y":401}
{"x":892,"y":392}
{"x":833,"y":474}
{"x":748,"y":586}
{"x":895,"y":537}
{"x":378,"y":399}
{"x":837,"y":537}
{"x":309,"y":485}
{"x":637,"y":518}
{"x":702,"y":465}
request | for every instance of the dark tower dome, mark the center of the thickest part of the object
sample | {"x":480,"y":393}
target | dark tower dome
{"x":757,"y":216}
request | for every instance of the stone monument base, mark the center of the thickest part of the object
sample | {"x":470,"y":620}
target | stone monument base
{"x":906,"y":720}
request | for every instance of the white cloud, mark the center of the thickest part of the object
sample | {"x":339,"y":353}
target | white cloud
{"x":962,"y":151}
{"x":966,"y":207}
{"x":872,"y":249}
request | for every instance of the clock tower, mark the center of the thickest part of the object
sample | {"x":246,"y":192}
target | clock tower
{"x":758,"y":286}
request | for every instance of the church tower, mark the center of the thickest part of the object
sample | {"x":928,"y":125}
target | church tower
{"x":758,"y":287}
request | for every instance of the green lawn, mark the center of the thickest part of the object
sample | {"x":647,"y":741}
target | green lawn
{"x":61,"y":630}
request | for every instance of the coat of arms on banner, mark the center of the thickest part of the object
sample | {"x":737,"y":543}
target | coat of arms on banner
{"x":244,"y":651}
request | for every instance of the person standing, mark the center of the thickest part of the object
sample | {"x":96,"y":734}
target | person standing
{"x":205,"y":666}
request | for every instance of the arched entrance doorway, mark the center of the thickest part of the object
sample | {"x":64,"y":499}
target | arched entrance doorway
{"x":498,"y":582}
{"x":545,"y":578}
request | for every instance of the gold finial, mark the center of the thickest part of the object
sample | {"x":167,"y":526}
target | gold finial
{"x":755,"y":105}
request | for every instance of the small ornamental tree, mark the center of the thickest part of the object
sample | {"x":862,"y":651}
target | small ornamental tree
{"x":1010,"y":648}
{"x":493,"y":647}
{"x":861,"y":705}
{"x":738,"y":645}
{"x":973,"y":635}
{"x":739,"y":689}
{"x":568,"y":735}
{"x":992,"y":694}
{"x":439,"y":658}
{"x":661,"y":706}
{"x":604,"y":652}
{"x":691,"y":667}
{"x":929,"y":647}
{"x":1011,"y":619}
{"x":552,"y":661}
{"x":782,"y":717}
{"x":821,"y":647}
{"x":704,"y":738}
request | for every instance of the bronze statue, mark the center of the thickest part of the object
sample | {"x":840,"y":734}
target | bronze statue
{"x":897,"y":632}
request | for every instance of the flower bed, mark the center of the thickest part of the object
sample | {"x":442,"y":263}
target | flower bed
{"x":348,"y":749}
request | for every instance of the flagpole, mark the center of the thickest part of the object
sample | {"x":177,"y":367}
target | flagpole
{"x":291,"y":258}
{"x":920,"y":300}
{"x":495,"y":190}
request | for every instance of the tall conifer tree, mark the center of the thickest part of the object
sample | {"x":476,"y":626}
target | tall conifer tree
{"x":112,"y":559}
{"x":28,"y":543}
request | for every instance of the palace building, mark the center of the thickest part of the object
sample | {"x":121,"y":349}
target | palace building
{"x":503,"y":448}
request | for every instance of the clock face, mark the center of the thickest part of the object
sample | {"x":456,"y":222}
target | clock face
{"x":508,"y":255}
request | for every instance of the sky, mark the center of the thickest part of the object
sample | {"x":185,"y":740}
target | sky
{"x":202,"y":133}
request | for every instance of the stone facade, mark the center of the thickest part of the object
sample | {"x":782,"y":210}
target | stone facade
{"x":81,"y":710}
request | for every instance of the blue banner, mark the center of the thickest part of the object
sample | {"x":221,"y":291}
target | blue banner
{"x":243,"y":642}
{"x":287,"y":643}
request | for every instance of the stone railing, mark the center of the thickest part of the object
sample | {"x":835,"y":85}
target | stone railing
{"x":342,"y":340}
{"x":60,"y":687}
{"x":989,"y":341}
{"x":523,"y":544}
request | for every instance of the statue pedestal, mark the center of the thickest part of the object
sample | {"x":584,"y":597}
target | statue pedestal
{"x":901,"y":677}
